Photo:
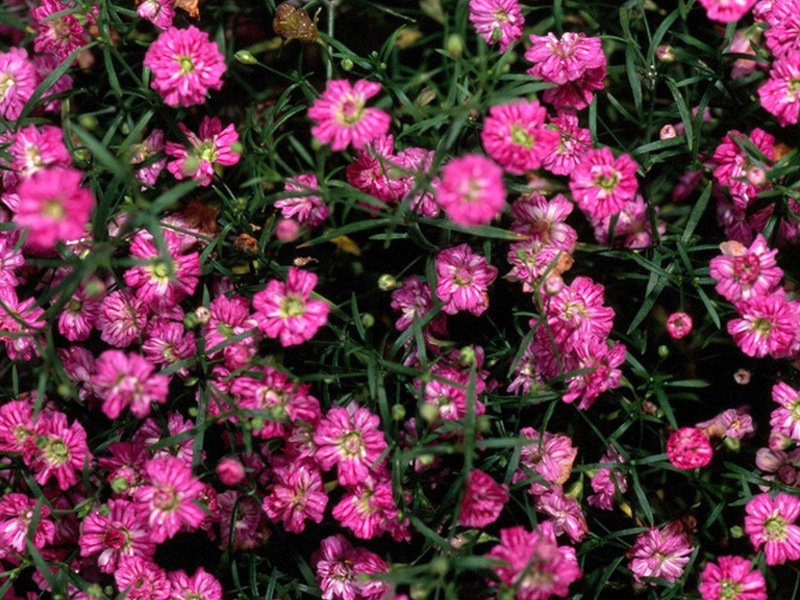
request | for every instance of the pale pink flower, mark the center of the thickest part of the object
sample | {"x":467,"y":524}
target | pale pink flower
{"x":60,"y":35}
{"x":770,"y":522}
{"x":497,"y":21}
{"x":212,"y":146}
{"x":516,"y":137}
{"x":783,"y":467}
{"x":18,"y":80}
{"x":471,"y":190}
{"x":341,"y":115}
{"x":768,"y":326}
{"x":742,"y":43}
{"x":602,"y":185}
{"x":413,"y":300}
{"x":343,"y":571}
{"x":550,"y":456}
{"x":307,"y":208}
{"x":286,"y":310}
{"x":127,"y":381}
{"x":745,"y":272}
{"x":16,"y":514}
{"x":167,"y":498}
{"x":352,"y":440}
{"x":122,"y":319}
{"x":242,"y":522}
{"x":159,"y":12}
{"x":660,"y":553}
{"x":734,"y":423}
{"x":786,"y":418}
{"x":533,"y":566}
{"x":567,"y":59}
{"x":544,"y":220}
{"x":200,"y":586}
{"x":61,"y":451}
{"x":483,"y":500}
{"x":296,"y":494}
{"x":367,"y":508}
{"x":140,"y":578}
{"x":780,"y":94}
{"x":608,"y":481}
{"x":575,"y":142}
{"x":53,"y":207}
{"x":463,"y":280}
{"x":186,"y":64}
{"x":20,"y":325}
{"x":37,"y":148}
{"x":732,"y":578}
{"x":117,"y":531}
{"x":230,"y":471}
{"x":689,"y":448}
{"x":727,"y":11}
{"x":564,"y":512}
{"x":147,"y":154}
{"x":679,"y":325}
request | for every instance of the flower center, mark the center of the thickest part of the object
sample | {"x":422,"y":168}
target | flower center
{"x":53,"y":209}
{"x":608,"y":180}
{"x":762,"y":327}
{"x":7,"y":81}
{"x":57,"y":452}
{"x":351,"y":110}
{"x":116,"y":538}
{"x":521,"y":137}
{"x":729,"y":590}
{"x":74,"y":306}
{"x":351,"y":444}
{"x":794,"y":409}
{"x":186,"y":64}
{"x":746,"y":268}
{"x":775,"y":528}
{"x":207,"y":151}
{"x":292,"y":306}
{"x":165,"y":498}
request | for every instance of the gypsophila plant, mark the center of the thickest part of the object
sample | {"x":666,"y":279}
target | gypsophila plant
{"x":399,"y":300}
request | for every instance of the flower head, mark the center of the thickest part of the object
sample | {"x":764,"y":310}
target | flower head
{"x":660,"y":553}
{"x":689,"y":448}
{"x":516,"y":137}
{"x":497,"y":21}
{"x":18,"y":80}
{"x":213,"y":146}
{"x":602,"y":185}
{"x":471,"y":190}
{"x":464,"y":279}
{"x":770,"y":522}
{"x":732,"y":578}
{"x":482,"y":501}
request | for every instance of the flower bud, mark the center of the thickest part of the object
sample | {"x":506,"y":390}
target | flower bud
{"x":386,"y":282}
{"x":245,"y":57}
{"x":667,"y":132}
{"x":230,"y":471}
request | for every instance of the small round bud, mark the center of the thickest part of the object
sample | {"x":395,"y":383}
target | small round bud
{"x":245,"y":57}
{"x":367,"y":320}
{"x":665,"y":53}
{"x":553,"y":285}
{"x":190,"y":320}
{"x":287,"y":230}
{"x":88,"y":122}
{"x":230,"y":471}
{"x":679,"y":325}
{"x":386,"y":282}
{"x":737,"y":532}
{"x":203,"y":315}
{"x":667,"y":132}
{"x":467,"y":357}
{"x":439,"y":566}
{"x":757,"y":176}
{"x":398,"y":412}
{"x":119,"y":485}
{"x":742,"y":377}
{"x":429,"y":412}
{"x":64,"y":390}
{"x":347,"y":65}
{"x":454,"y":45}
{"x":663,"y":351}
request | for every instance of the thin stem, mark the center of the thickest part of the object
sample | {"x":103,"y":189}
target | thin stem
{"x":331,"y":18}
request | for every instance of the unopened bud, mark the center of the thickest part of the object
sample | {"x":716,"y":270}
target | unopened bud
{"x":742,"y":377}
{"x":119,"y":485}
{"x":429,"y":412}
{"x":367,"y":320}
{"x":230,"y":471}
{"x":454,"y":45}
{"x":667,"y":132}
{"x":347,"y":65}
{"x":757,"y":176}
{"x":665,"y":53}
{"x":287,"y":230}
{"x":467,"y":357}
{"x":203,"y":315}
{"x":245,"y":57}
{"x":386,"y":282}
{"x":398,"y":412}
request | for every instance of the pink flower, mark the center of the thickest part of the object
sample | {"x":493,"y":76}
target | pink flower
{"x":145,"y":154}
{"x":122,"y":319}
{"x":784,"y":27}
{"x":53,"y":207}
{"x":159,"y":12}
{"x":113,"y":533}
{"x":369,"y":173}
{"x":689,"y":448}
{"x":167,"y":498}
{"x":36,"y":148}
{"x":307,"y":208}
{"x":597,"y":364}
{"x":471,"y":190}
{"x":342,"y":118}
{"x":533,"y":566}
{"x":230,"y":317}
{"x":770,"y":522}
{"x":601,"y":185}
{"x":16,"y":513}
{"x":230,"y":471}
{"x":46,"y":64}
{"x":734,"y":423}
{"x":20,"y":324}
{"x":242,"y":521}
{"x":185,"y":65}
{"x":17,"y":427}
{"x":734,"y":164}
{"x":745,"y":272}
{"x":413,"y":300}
{"x":61,"y":451}
{"x":660,"y":553}
{"x":368,"y":508}
{"x":565,"y":514}
{"x":141,"y":579}
{"x":286,"y":311}
{"x":127,"y":380}
{"x":515,"y":136}
{"x":576,"y":95}
{"x":567,"y":59}
{"x":342,"y":571}
{"x":608,"y":481}
{"x":213,"y":146}
{"x":352,"y":440}
{"x":497,"y":21}
{"x":60,"y":35}
{"x":575,"y":142}
{"x":200,"y":586}
{"x":631,"y":226}
{"x":18,"y":80}
{"x":548,"y":455}
{"x":727,"y":11}
{"x":780,"y":95}
{"x":483,"y":500}
{"x":742,"y":43}
{"x":768,"y":326}
{"x":732,"y":578}
{"x":786,"y":418}
{"x":296,"y":494}
{"x":463,"y":280}
{"x":679,"y":325}
{"x":578,"y":312}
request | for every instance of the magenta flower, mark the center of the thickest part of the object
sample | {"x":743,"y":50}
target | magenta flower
{"x":567,"y":59}
{"x":742,"y":273}
{"x":141,"y":579}
{"x":565,"y":514}
{"x":167,"y":498}
{"x":412,"y":300}
{"x":18,"y":80}
{"x":159,"y":12}
{"x":768,"y":325}
{"x":601,"y":185}
{"x":307,"y":208}
{"x":463,"y":280}
{"x":59,"y":35}
{"x":37,"y":148}
{"x":127,"y":381}
{"x":734,"y":164}
{"x":578,"y":94}
{"x":727,"y":11}
{"x":352,"y":440}
{"x":53,"y":207}
{"x":575,"y":142}
{"x":732,"y":578}
{"x":783,"y":32}
{"x":497,"y":21}
{"x":515,"y":136}
{"x":483,"y":500}
{"x":286,"y":310}
{"x":122,"y":319}
{"x":343,"y":571}
{"x":533,"y":566}
{"x":660,"y":553}
{"x":368,"y":508}
{"x":146,"y":152}
{"x":342,"y":118}
{"x":780,"y":95}
{"x":608,"y":481}
{"x":786,"y":418}
{"x":296,"y":494}
{"x":770,"y":522}
{"x":20,"y":325}
{"x":213,"y":146}
{"x":471,"y":190}
{"x":113,"y":533}
{"x":61,"y":451}
{"x":244,"y":520}
{"x":16,"y":514}
{"x":549,"y":455}
{"x":578,"y":313}
{"x":186,"y":64}
{"x":679,"y":325}
{"x":200,"y":586}
{"x":689,"y":448}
